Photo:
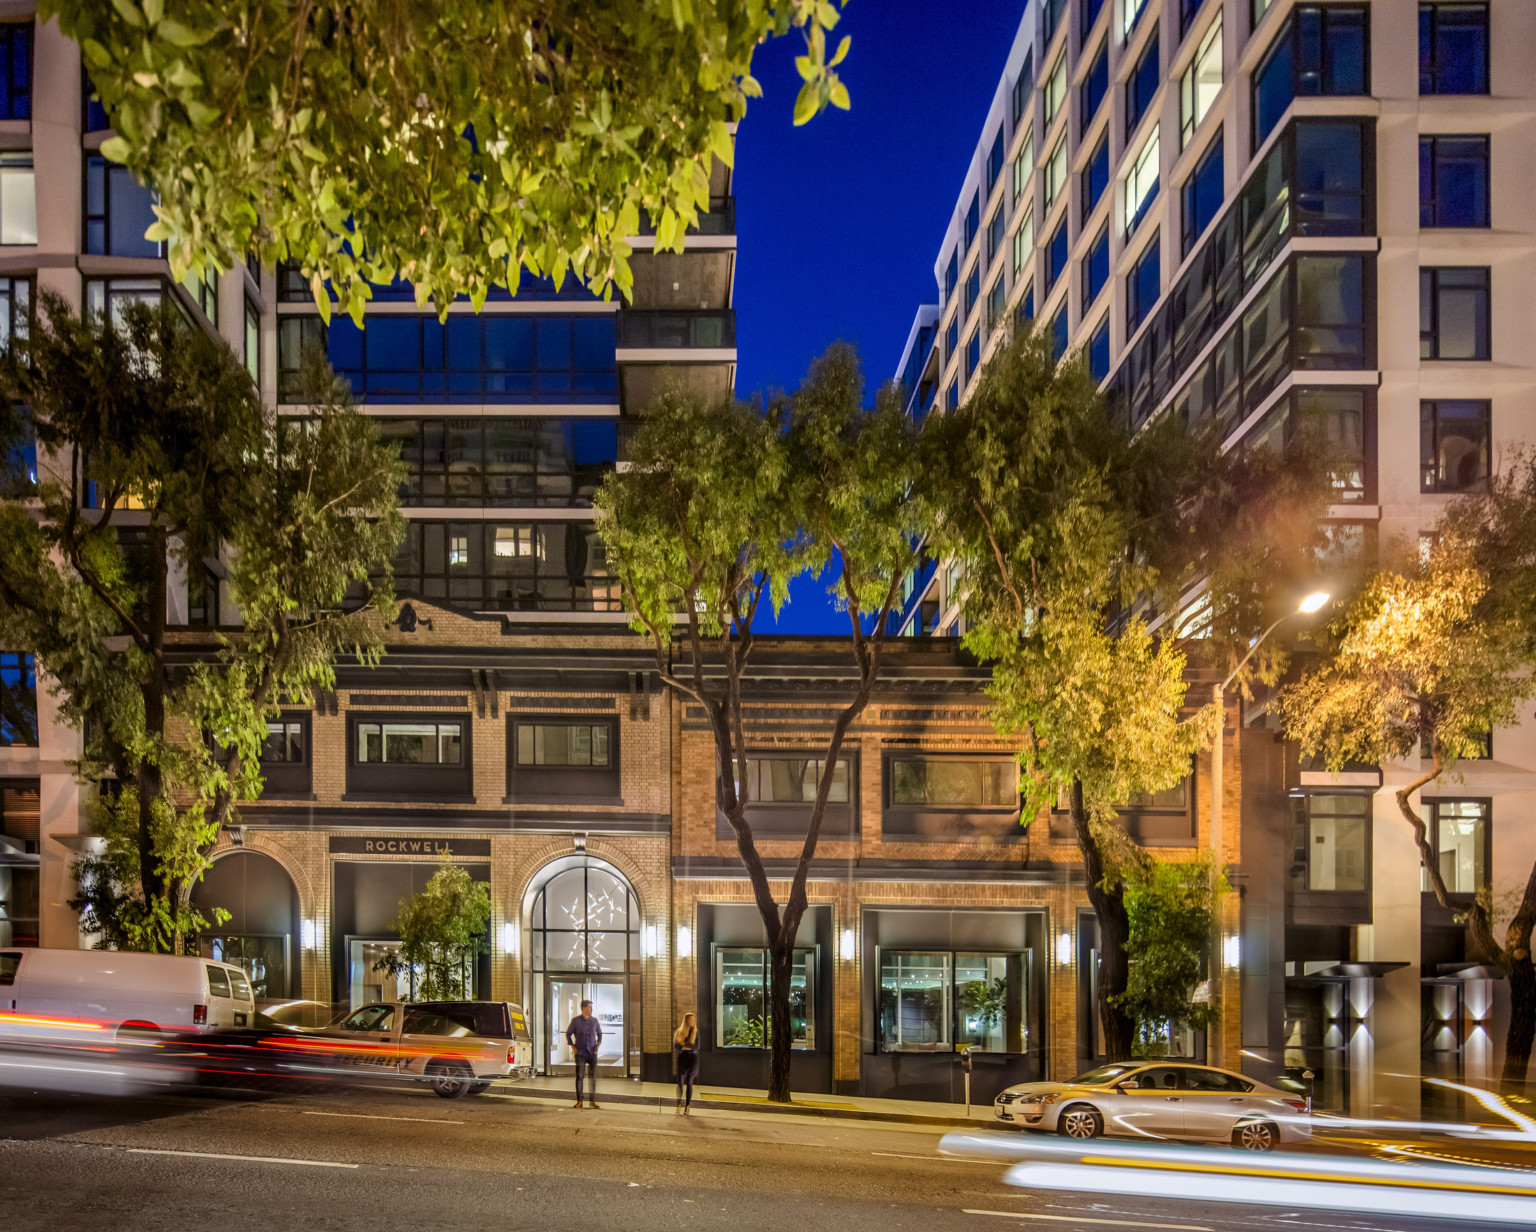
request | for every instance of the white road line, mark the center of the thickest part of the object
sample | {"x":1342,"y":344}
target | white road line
{"x":1117,"y":1223}
{"x":940,"y":1159}
{"x":253,"y":1159}
{"x":368,"y":1116}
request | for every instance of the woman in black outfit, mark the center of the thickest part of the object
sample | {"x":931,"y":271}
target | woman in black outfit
{"x":685,"y":1058}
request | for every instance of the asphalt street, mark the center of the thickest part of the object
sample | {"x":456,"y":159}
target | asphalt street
{"x":371,"y":1159}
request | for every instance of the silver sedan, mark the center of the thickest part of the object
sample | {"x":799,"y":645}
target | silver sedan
{"x":1141,"y":1099}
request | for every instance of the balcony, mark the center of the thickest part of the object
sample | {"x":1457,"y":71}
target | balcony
{"x":719,"y":219}
{"x":651,"y":330}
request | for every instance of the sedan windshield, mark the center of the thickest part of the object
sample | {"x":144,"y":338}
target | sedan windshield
{"x":1105,"y":1073}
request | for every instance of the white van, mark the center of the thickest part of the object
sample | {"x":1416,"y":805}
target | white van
{"x":127,"y":994}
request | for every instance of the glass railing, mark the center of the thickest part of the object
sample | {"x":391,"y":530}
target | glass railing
{"x":665,"y":330}
{"x":719,"y":219}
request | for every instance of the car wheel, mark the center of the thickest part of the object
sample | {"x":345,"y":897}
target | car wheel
{"x":1080,"y":1121}
{"x":1256,"y":1136}
{"x":477,"y":1087}
{"x":139,"y":1032}
{"x":449,"y":1080}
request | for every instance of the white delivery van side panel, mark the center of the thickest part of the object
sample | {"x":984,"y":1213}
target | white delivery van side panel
{"x":114,"y":987}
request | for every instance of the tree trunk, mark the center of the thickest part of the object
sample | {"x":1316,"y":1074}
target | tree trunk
{"x":781,"y":959}
{"x":1114,"y":934}
{"x":1522,"y":1021}
{"x":150,"y":780}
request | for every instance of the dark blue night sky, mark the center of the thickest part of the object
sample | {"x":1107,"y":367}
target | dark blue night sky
{"x":838,"y":222}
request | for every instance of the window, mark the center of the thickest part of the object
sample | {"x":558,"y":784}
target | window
{"x":1095,"y":269}
{"x":1056,"y":173}
{"x":562,"y":744}
{"x":1200,"y":84}
{"x":972,"y":221}
{"x":16,"y":71}
{"x":1098,"y":352}
{"x":951,"y":276}
{"x":793,"y":780}
{"x":1026,"y":312}
{"x":952,"y":338}
{"x":1055,"y":90}
{"x":942,"y":1001}
{"x":202,"y":597}
{"x":253,"y":341}
{"x":411,"y":743}
{"x":93,"y":117}
{"x":1458,"y":832}
{"x":118,"y":210}
{"x":1337,"y":417}
{"x":1142,"y":286}
{"x":952,"y":396}
{"x":1453,"y":313}
{"x":1056,"y":257}
{"x":1203,"y":194}
{"x":1023,"y":168}
{"x":1453,"y":49}
{"x":1321,"y":50}
{"x":1023,"y":242}
{"x":472,"y":359}
{"x":494,"y":461}
{"x":995,"y":234}
{"x":972,"y":354}
{"x":1094,"y":87}
{"x":205,"y":294}
{"x":1022,"y":86}
{"x":111,"y":297}
{"x":15,"y":309}
{"x":284,"y":744}
{"x":1453,"y":182}
{"x":18,"y":676}
{"x":1090,"y":14}
{"x":1329,"y":840}
{"x":1141,"y":183}
{"x":1330,"y":313}
{"x":1454,"y":439}
{"x":1141,"y":86}
{"x":543,"y":566}
{"x":972,"y":288}
{"x":18,"y":199}
{"x":953,"y":783}
{"x":995,"y":298}
{"x":995,"y":161}
{"x":1096,"y":176}
{"x":741,"y":998}
{"x":1130,"y":11}
{"x":1059,"y":334}
{"x":1331,"y":177}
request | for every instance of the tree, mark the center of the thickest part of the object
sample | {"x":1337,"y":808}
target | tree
{"x":1092,"y":558}
{"x":442,"y":930}
{"x":1171,"y":909}
{"x":1431,"y":656}
{"x":156,"y":450}
{"x":723,"y":504}
{"x":453,"y":144}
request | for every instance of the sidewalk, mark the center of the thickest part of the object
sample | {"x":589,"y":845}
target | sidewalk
{"x":663,"y":1095}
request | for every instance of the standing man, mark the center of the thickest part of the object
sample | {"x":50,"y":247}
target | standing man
{"x":584,"y":1035}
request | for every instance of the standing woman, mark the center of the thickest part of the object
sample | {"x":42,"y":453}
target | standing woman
{"x":685,"y":1058}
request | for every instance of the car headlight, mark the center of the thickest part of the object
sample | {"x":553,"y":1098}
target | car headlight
{"x":1049,"y":1099}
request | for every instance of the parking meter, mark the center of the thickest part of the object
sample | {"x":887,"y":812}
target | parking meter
{"x":965,"y":1068}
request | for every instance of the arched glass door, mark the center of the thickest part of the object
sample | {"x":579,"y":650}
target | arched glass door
{"x":584,"y":944}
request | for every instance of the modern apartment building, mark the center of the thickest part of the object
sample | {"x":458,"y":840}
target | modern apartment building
{"x":1258,"y":212}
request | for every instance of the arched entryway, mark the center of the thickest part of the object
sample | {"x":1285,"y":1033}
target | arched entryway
{"x":582,"y":929}
{"x":262,"y":932}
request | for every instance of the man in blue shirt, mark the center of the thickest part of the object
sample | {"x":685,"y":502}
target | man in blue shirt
{"x":584,"y":1035}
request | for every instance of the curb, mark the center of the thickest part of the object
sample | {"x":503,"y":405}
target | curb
{"x":730,"y":1105}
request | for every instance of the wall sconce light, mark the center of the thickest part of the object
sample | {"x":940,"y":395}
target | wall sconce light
{"x":307,"y":934}
{"x":845,"y":945}
{"x":1064,"y":949}
{"x":509,"y":937}
{"x":648,"y":941}
{"x":684,"y":941}
{"x":1232,"y":951}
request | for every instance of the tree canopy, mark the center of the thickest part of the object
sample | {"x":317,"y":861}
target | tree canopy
{"x":442,"y":931}
{"x":454,"y":144}
{"x":158,"y":462}
{"x":723,"y":505}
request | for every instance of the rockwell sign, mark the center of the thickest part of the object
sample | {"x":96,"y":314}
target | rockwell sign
{"x":411,"y":848}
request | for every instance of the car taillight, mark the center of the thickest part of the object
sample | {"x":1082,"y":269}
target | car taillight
{"x":1301,"y":1105}
{"x":199,"y":1015}
{"x":512,"y":1054}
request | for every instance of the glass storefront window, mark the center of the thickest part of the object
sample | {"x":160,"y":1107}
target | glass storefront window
{"x":264,"y":959}
{"x":942,"y":1001}
{"x":741,"y":999}
{"x":915,"y":1002}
